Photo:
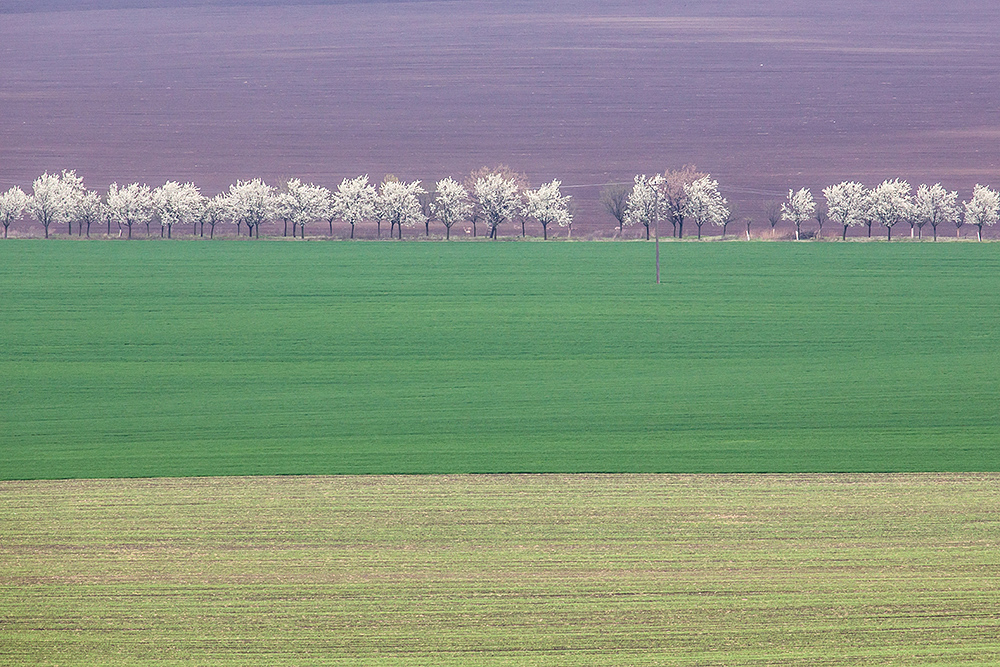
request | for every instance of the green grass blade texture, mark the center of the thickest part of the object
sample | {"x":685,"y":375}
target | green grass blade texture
{"x":235,"y":358}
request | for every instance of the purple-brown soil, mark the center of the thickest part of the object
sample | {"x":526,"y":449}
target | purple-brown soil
{"x":764,"y":95}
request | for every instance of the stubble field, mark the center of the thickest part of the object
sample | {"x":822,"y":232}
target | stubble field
{"x":502,"y":570}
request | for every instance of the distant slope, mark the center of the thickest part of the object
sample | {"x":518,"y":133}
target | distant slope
{"x":29,"y":6}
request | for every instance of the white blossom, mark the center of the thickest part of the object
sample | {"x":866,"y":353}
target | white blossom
{"x":451,"y":203}
{"x":547,"y":205}
{"x":799,"y":208}
{"x":52,"y":198}
{"x":498,"y":199}
{"x":177,"y":204}
{"x":302,"y":203}
{"x":12,"y":206}
{"x":216,"y":210}
{"x":934,"y":204}
{"x":983,"y":208}
{"x":354,"y":201}
{"x":88,"y":209}
{"x":252,"y":202}
{"x":846,"y":204}
{"x":129,"y":205}
{"x":646,"y":202}
{"x":704,"y":203}
{"x":890,"y":204}
{"x":399,"y":204}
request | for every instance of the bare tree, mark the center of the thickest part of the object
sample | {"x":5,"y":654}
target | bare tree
{"x":773,"y":212}
{"x":821,"y":218}
{"x":614,"y":197}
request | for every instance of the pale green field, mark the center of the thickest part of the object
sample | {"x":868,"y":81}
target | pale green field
{"x":502,"y":570}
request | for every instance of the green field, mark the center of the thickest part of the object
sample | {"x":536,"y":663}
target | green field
{"x":502,"y":570}
{"x":131,"y":359}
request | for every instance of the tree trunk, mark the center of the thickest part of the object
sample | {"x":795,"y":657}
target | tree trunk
{"x":169,"y":229}
{"x":88,"y":230}
{"x":647,"y":230}
{"x":69,"y":231}
{"x":796,"y":231}
{"x":522,"y":229}
{"x":352,"y":230}
{"x":545,"y":232}
{"x":237,"y":228}
{"x":680,"y":229}
{"x":331,"y":226}
{"x":748,"y":231}
{"x":699,"y":229}
{"x":161,"y":232}
{"x":427,"y":227}
{"x":147,"y":230}
{"x":447,"y":232}
{"x":302,"y":232}
{"x":130,"y":232}
{"x":211,"y":231}
{"x":979,"y":232}
{"x":286,"y":228}
{"x":935,"y":232}
{"x":844,"y":237}
{"x":911,"y":230}
{"x":202,"y":229}
{"x":5,"y":231}
{"x":869,"y":230}
{"x":888,"y":231}
{"x":473,"y":229}
{"x":378,"y":224}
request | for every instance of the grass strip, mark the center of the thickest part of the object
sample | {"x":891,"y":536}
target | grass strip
{"x":237,"y":358}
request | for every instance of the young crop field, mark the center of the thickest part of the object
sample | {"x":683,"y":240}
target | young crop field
{"x":502,"y":570}
{"x":125,"y":359}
